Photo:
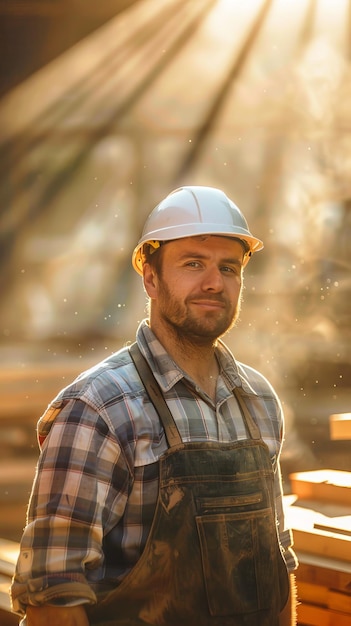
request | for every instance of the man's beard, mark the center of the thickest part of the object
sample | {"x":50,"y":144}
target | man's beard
{"x":199,"y":329}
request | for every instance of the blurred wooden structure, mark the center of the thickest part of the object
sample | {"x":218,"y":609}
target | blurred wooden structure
{"x":8,"y":557}
{"x":325,"y":485}
{"x":340,"y":426}
{"x":319,"y":513}
{"x":253,"y":97}
{"x":323,"y":591}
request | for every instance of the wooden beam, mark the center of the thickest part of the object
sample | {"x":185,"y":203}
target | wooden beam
{"x":325,"y":485}
{"x":324,"y":597}
{"x":340,"y":426}
{"x":318,"y":616}
{"x":8,"y":557}
{"x":320,"y":570}
{"x":324,"y":543}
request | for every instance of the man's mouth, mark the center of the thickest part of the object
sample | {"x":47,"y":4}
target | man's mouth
{"x":209,"y":304}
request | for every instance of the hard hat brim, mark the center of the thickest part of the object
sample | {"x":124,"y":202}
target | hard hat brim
{"x":170,"y":234}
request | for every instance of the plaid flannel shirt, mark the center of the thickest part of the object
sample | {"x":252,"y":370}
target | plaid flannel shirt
{"x":96,"y":484}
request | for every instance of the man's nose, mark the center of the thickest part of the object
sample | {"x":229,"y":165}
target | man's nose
{"x":212,"y":280}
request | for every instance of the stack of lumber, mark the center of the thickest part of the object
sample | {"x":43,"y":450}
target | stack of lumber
{"x":8,"y":557}
{"x":319,"y":513}
{"x":340,"y":426}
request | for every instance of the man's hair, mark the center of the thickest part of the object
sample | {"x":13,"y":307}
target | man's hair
{"x":153,"y":256}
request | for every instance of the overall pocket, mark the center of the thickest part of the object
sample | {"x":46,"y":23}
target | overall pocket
{"x":238,"y":553}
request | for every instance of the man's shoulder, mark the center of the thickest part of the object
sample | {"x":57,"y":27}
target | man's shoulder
{"x":110,"y":377}
{"x":112,"y":364}
{"x":101,"y":387}
{"x":255,"y":380}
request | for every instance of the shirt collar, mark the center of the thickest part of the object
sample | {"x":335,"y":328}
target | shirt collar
{"x":167,"y":372}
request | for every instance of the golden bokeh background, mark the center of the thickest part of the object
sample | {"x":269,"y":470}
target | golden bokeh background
{"x":105,"y":107}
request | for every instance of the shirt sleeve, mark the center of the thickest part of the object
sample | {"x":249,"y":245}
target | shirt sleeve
{"x":285,"y":534}
{"x":79,"y":492}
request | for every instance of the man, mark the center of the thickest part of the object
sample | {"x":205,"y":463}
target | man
{"x":145,"y":512}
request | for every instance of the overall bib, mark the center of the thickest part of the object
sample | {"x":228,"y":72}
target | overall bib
{"x":212,"y":557}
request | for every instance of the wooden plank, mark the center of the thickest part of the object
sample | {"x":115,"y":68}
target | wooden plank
{"x":316,"y":514}
{"x":309,"y":615}
{"x":312,"y":594}
{"x":8,"y":556}
{"x":322,"y":542}
{"x":326,"y":533}
{"x":320,"y":570}
{"x":8,"y":619}
{"x":5,"y":602}
{"x":340,"y":426}
{"x":339,"y":602}
{"x":322,"y":596}
{"x":325,"y":485}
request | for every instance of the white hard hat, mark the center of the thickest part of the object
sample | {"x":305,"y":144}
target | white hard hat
{"x":191,"y":211}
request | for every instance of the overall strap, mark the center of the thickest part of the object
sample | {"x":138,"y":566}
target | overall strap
{"x":251,"y":426}
{"x":156,"y":396}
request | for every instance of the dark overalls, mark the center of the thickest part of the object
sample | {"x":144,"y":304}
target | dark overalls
{"x":212,"y":557}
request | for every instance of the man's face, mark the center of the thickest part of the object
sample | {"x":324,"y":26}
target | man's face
{"x":197,"y":293}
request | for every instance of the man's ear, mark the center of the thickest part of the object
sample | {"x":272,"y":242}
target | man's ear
{"x":150,"y":280}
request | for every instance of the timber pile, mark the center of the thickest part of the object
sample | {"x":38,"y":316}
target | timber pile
{"x":8,"y":556}
{"x":340,"y":426}
{"x":319,"y":513}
